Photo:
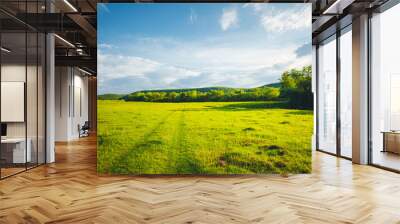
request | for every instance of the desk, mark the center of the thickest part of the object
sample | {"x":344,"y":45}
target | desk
{"x":13,"y":150}
{"x":391,"y":141}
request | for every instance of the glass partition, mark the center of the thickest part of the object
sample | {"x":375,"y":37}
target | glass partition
{"x":22,"y":88}
{"x":385,"y":89}
{"x":346,"y":92}
{"x":13,"y":90}
{"x":327,"y":95}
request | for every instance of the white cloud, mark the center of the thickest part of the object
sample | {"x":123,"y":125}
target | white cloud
{"x":116,"y":66}
{"x":235,"y":66}
{"x":152,"y":74}
{"x":280,"y":20}
{"x":241,"y":58}
{"x":192,"y":16}
{"x":256,"y":6}
{"x":228,"y":19}
{"x":216,"y":54}
{"x":105,"y":46}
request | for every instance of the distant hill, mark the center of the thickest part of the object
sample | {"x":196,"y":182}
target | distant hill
{"x":110,"y":96}
{"x":203,"y":89}
{"x":276,"y":85}
{"x":207,"y":89}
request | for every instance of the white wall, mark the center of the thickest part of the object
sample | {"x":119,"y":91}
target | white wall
{"x":14,"y":72}
{"x":80,"y":115}
{"x":62,"y":82}
{"x":17,"y":73}
{"x":71,"y":94}
{"x":33,"y":126}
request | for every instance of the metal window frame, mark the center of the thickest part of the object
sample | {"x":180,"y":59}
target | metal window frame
{"x":386,"y":6}
{"x":339,"y":32}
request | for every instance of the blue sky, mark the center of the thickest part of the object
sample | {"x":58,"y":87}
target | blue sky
{"x":157,"y":46}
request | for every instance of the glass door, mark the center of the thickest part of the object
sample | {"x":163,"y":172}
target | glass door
{"x":385,"y":89}
{"x":327,"y":95}
{"x":346,"y":92}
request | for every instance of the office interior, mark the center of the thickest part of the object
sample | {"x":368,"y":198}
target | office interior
{"x":48,"y":80}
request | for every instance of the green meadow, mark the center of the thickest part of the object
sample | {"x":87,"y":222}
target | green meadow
{"x":203,"y":138}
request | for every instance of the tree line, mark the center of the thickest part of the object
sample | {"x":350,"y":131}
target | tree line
{"x":217,"y":95}
{"x":294,"y":88}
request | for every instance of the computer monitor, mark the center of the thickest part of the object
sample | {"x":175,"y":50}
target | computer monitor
{"x":3,"y":129}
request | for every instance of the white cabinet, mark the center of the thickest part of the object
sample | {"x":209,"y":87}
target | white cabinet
{"x":19,"y":155}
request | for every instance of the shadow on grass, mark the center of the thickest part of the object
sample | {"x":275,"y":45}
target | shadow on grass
{"x":243,"y":106}
{"x":254,"y":106}
{"x":300,"y":112}
{"x":189,"y":166}
{"x":250,"y":106}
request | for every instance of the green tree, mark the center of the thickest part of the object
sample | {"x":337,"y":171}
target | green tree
{"x":296,"y":87}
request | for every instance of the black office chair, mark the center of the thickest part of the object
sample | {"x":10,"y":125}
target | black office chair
{"x":84,"y":130}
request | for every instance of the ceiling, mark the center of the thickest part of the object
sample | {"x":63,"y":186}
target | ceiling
{"x":331,"y":15}
{"x":75,"y":22}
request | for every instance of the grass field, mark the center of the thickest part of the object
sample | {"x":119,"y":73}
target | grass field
{"x":202,"y":138}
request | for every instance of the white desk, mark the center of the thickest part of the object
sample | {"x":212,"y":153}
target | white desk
{"x":19,"y":154}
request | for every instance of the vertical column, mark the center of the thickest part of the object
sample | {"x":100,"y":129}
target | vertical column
{"x":50,"y":98}
{"x":314,"y":90}
{"x":360,"y":89}
{"x":50,"y":91}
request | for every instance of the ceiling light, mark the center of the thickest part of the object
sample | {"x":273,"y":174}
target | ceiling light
{"x":70,"y":5}
{"x":5,"y":50}
{"x":64,"y":40}
{"x":79,"y":51}
{"x":84,"y":71}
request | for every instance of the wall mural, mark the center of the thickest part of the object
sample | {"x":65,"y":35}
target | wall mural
{"x":204,"y":88}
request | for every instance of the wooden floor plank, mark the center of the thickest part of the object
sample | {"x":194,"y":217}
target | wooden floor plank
{"x":70,"y":191}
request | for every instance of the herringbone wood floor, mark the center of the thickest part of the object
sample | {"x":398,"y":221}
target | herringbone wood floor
{"x":70,"y":191}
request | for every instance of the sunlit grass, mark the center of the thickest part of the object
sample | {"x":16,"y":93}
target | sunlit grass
{"x":202,"y":138}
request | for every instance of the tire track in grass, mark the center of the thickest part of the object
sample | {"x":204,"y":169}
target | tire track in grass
{"x":122,"y":161}
{"x":174,"y":145}
{"x":174,"y":150}
{"x":186,"y":162}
